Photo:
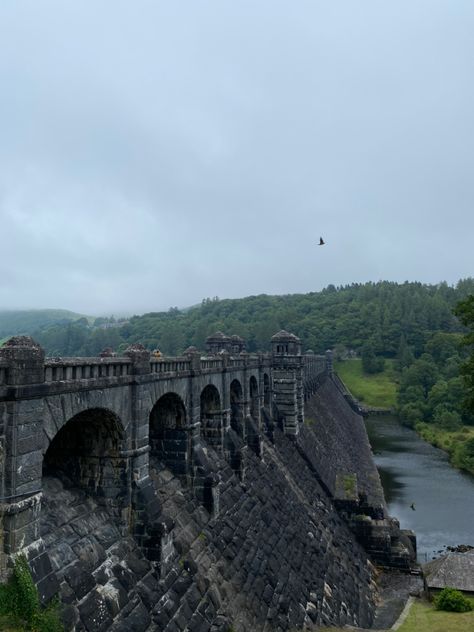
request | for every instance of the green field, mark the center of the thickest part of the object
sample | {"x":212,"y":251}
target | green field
{"x":378,"y":390}
{"x":424,"y":618}
{"x":6,"y":625}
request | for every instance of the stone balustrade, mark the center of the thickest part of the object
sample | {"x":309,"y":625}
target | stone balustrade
{"x":66,"y":369}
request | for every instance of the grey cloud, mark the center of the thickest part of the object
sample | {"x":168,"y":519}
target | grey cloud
{"x":153,"y":153}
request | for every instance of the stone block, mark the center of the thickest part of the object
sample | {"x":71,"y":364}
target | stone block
{"x":94,"y":613}
{"x":79,"y":579}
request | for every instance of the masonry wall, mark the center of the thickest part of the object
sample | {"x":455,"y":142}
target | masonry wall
{"x":336,"y":442}
{"x":277,"y":556}
{"x":255,"y":535}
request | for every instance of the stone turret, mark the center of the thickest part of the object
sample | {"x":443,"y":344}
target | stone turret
{"x":237,"y":344}
{"x":284,"y":343}
{"x":25,"y":360}
{"x":218,"y":342}
{"x":288,"y":380}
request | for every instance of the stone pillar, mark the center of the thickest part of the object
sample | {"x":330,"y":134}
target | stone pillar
{"x":23,"y":458}
{"x":140,"y":358}
{"x":285,"y":398}
{"x":20,"y":503}
{"x":288,"y":381}
{"x":299,"y":391}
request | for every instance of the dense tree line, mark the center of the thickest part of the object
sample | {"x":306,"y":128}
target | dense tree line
{"x":431,"y":387}
{"x":436,"y":393}
{"x":382,"y":317}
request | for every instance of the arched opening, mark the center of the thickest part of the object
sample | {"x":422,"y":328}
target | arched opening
{"x":211,"y":417}
{"x":236,"y":408}
{"x":254,"y":399}
{"x":168,"y":437}
{"x":266,"y":391}
{"x":85,"y":453}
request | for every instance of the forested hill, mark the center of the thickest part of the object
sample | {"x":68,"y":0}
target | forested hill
{"x":383,"y":313}
{"x":13,"y":322}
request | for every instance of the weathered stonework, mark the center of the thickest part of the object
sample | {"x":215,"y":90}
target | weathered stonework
{"x":189,"y":493}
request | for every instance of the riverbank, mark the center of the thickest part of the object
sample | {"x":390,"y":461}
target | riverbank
{"x":458,"y":444}
{"x":422,"y":490}
{"x":380,"y":390}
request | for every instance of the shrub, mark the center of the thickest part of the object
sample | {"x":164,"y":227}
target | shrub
{"x":447,"y":419}
{"x":410,"y":414}
{"x":452,"y":600}
{"x":19,"y":599}
{"x":20,"y":596}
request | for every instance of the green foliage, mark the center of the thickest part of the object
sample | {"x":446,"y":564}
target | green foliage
{"x":452,"y":600}
{"x":411,"y":414}
{"x":463,"y":456}
{"x":386,"y":313}
{"x":378,"y":390}
{"x":350,"y":484}
{"x":20,"y":601}
{"x":431,"y":389}
{"x":465,"y":311}
{"x":423,"y":617}
{"x":14,"y":322}
{"x":370,"y":362}
{"x":458,"y":443}
{"x":446,"y":419}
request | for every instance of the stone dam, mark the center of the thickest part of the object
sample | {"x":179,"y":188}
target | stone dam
{"x":219,"y":492}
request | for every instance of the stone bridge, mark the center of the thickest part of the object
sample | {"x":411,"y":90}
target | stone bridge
{"x":99,"y":422}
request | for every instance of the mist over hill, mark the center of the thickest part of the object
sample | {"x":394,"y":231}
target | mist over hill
{"x":14,"y":322}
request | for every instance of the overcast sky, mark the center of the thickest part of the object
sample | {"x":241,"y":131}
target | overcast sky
{"x":155,"y":153}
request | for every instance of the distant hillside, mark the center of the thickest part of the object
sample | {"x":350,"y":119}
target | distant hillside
{"x":14,"y":322}
{"x":384,"y":314}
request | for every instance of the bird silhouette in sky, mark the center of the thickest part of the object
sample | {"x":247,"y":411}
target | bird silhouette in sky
{"x":321,"y":242}
{"x":412,"y":506}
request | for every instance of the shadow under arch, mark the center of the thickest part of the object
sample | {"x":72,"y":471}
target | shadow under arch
{"x":254,"y":398}
{"x":168,"y":435}
{"x":211,"y":417}
{"x":237,"y":408}
{"x":266,"y":391}
{"x":85,"y":453}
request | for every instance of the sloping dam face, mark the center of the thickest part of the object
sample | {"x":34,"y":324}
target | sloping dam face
{"x":275,"y":555}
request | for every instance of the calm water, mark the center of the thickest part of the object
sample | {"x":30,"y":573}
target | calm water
{"x":413,"y":471}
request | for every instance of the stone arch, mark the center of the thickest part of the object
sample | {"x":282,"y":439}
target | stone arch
{"x":86,"y":453}
{"x":211,"y":416}
{"x":266,"y":391}
{"x":168,"y":435}
{"x":254,"y":398}
{"x":237,"y":407}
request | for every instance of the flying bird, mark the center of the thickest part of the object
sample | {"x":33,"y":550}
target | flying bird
{"x":412,"y":506}
{"x":321,"y":242}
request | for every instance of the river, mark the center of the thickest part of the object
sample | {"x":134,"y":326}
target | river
{"x":413,"y":471}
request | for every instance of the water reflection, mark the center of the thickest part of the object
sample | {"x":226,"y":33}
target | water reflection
{"x":414,"y":472}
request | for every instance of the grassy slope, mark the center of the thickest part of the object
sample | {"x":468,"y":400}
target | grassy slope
{"x":6,"y":625}
{"x":424,"y":618}
{"x":378,"y":390}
